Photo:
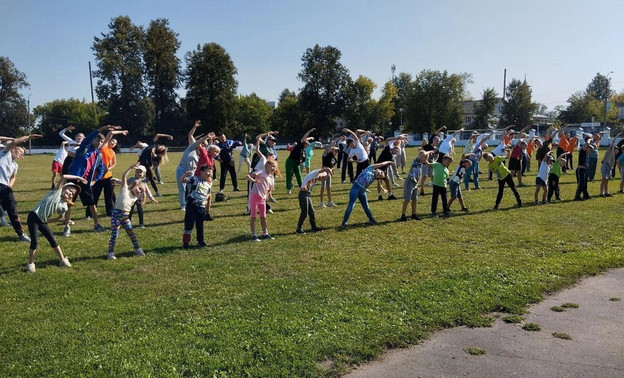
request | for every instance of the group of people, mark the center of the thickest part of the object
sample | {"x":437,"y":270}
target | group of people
{"x":84,"y":168}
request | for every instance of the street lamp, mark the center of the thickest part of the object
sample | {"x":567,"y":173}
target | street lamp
{"x":401,"y":111}
{"x":29,"y":130}
{"x":606,"y":97}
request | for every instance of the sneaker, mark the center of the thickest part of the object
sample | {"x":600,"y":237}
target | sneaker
{"x":331,"y":204}
{"x":579,"y":199}
{"x":434,"y":215}
{"x":519,"y":203}
{"x":268,"y":237}
{"x":372,"y":221}
{"x":343,"y":182}
{"x":395,"y":185}
{"x":343,"y":225}
{"x":236,"y":189}
{"x":548,"y":201}
{"x":185,"y":246}
{"x":446,"y":214}
{"x":66,"y":231}
{"x":415,"y":217}
{"x":4,"y":223}
{"x":535,"y":203}
{"x":255,"y":238}
{"x":367,"y":191}
{"x":139,"y":252}
{"x":88,"y":217}
{"x":403,"y":218}
{"x":30,"y":268}
{"x":495,"y":207}
{"x":430,"y":184}
{"x":289,"y":191}
{"x":391,"y":197}
{"x":601,"y":195}
{"x":479,"y":188}
{"x":141,"y":226}
{"x":465,"y":209}
{"x":208,"y":217}
{"x":322,"y":205}
{"x":183,"y":208}
{"x":300,"y":231}
{"x":111,"y":256}
{"x":158,"y":194}
{"x":160,"y":183}
{"x":380,"y":198}
{"x":65,"y":263}
{"x":316,"y":229}
{"x":271,"y":199}
{"x":202,"y":244}
{"x":558,"y":199}
{"x":543,"y":202}
{"x":98,"y":228}
{"x":608,"y":195}
{"x":270,"y":211}
{"x":422,"y":193}
{"x":23,"y":238}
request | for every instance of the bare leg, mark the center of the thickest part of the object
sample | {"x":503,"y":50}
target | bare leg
{"x":94,"y":215}
{"x":31,"y":256}
{"x":329,"y":195}
{"x":414,"y":203}
{"x":404,"y":207}
{"x":252,"y":224}
{"x":264,"y":225}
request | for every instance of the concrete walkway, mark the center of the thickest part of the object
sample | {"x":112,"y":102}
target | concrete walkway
{"x":595,"y":350}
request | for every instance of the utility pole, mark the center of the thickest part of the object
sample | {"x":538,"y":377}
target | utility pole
{"x":606,"y":97}
{"x":29,"y":129}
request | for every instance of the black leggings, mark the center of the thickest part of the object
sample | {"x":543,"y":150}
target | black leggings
{"x":7,"y":201}
{"x":109,"y":195}
{"x":441,"y":191}
{"x":35,"y":224}
{"x":139,"y":209}
{"x":225,"y":168}
{"x":553,"y":186}
{"x":305,"y":204}
{"x":581,"y":181}
{"x":347,"y":166}
{"x":361,"y":166}
{"x":501,"y":185}
{"x":194,"y":216}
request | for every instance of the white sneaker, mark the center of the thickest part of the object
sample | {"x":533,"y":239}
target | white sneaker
{"x":430,"y":184}
{"x":111,"y":256}
{"x":65,"y":263}
{"x":30,"y":268}
{"x":23,"y":238}
{"x":289,"y":191}
{"x":270,"y":211}
{"x":395,"y":185}
{"x":183,"y":208}
{"x":3,"y":223}
{"x":139,"y":252}
{"x":158,"y":194}
{"x":66,"y":231}
{"x":331,"y":204}
{"x":322,"y":205}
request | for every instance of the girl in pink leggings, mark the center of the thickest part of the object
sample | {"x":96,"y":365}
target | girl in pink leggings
{"x":263,"y":183}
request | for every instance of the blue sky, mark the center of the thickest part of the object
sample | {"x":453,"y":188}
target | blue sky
{"x":559,"y":45}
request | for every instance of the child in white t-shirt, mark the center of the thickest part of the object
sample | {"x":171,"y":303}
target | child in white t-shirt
{"x":542,"y":177}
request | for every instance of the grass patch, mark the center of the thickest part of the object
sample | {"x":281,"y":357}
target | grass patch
{"x":614,"y":299}
{"x":570,"y":305}
{"x":561,"y":335}
{"x":557,"y":309}
{"x":474,"y":351}
{"x":277,"y":308}
{"x":534,"y":327}
{"x":513,"y":319}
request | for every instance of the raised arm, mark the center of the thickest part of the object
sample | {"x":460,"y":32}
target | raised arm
{"x":305,"y":136}
{"x":562,"y":155}
{"x":438,"y":131}
{"x":124,"y":176}
{"x":381,"y":165}
{"x":158,"y":136}
{"x":258,"y":140}
{"x":353,"y":135}
{"x":111,"y":133}
{"x":65,"y":137}
{"x":190,"y":136}
{"x":16,"y":142}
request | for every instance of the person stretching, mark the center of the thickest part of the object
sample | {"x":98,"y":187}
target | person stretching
{"x":608,"y":162}
{"x":305,"y":199}
{"x":294,"y":160}
{"x":410,"y":189}
{"x":496,"y":164}
{"x":198,"y":190}
{"x":440,"y":178}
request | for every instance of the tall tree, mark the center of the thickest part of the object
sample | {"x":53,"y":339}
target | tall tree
{"x":386,"y":108}
{"x":402,"y":82}
{"x":435,"y":100}
{"x":517,"y":107}
{"x":289,"y":118}
{"x":252,"y":115}
{"x":584,"y":107}
{"x":599,"y":88}
{"x":211,"y":87}
{"x":120,"y":87}
{"x":162,"y":68}
{"x":359,"y":103}
{"x":325,"y":79}
{"x":58,"y":114}
{"x":13,"y":109}
{"x":484,"y":109}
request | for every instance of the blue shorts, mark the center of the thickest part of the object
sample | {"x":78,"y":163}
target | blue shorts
{"x":455,"y":190}
{"x":539,"y":182}
{"x":605,"y":170}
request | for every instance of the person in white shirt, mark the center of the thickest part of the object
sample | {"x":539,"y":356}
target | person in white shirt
{"x":357,"y":151}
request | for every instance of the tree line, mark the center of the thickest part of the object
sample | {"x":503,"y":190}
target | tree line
{"x":139,"y":75}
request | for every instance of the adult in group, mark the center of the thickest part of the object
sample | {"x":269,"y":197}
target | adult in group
{"x":294,"y":160}
{"x":72,"y":146}
{"x":581,"y":171}
{"x":358,"y":190}
{"x":188,"y":161}
{"x":447,"y":145}
{"x":226,"y":160}
{"x":109,"y":159}
{"x":328,"y":160}
{"x":245,"y":154}
{"x":156,"y":154}
{"x":357,"y":152}
{"x":592,"y":156}
{"x":389,"y":152}
{"x":8,"y":172}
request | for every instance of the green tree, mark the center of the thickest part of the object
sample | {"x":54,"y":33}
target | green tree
{"x":211,"y":87}
{"x":58,"y":114}
{"x":485,"y":109}
{"x":289,"y":118}
{"x":435,"y":99}
{"x":403,"y":84}
{"x":386,"y":108}
{"x":252,"y":115}
{"x":517,"y":107}
{"x":599,"y":88}
{"x":579,"y":108}
{"x":162,"y":68}
{"x":359,"y":104}
{"x":13,"y":109}
{"x":325,"y":79}
{"x":121,"y":70}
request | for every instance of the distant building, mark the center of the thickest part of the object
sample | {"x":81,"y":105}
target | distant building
{"x":272,"y":104}
{"x":469,"y":112}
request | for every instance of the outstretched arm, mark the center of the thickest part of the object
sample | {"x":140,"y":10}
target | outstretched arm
{"x":305,"y":136}
{"x":381,"y":165}
{"x":191,"y":133}
{"x":16,"y":142}
{"x":65,"y":137}
{"x":124,"y":176}
{"x":258,"y":140}
{"x":438,"y":131}
{"x":65,"y":178}
{"x":111,"y":133}
{"x":158,"y":136}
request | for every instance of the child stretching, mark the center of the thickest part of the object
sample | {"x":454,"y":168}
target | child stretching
{"x":496,"y":164}
{"x":358,"y":190}
{"x":608,"y":162}
{"x":139,"y":175}
{"x":56,"y":202}
{"x":263,"y":183}
{"x":440,"y":177}
{"x":197,"y":193}
{"x":457,"y":178}
{"x":305,"y":200}
{"x":555,"y":174}
{"x":410,"y":189}
{"x":542,"y":174}
{"x":128,"y":194}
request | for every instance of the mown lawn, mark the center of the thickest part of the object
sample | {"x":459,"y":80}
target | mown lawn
{"x":301,"y":305}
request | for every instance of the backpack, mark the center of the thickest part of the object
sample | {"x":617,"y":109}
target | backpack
{"x":220,"y":197}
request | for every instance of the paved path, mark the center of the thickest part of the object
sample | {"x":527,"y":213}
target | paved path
{"x":596,"y":348}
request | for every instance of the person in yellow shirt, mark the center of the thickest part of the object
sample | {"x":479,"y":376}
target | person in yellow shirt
{"x":496,"y":164}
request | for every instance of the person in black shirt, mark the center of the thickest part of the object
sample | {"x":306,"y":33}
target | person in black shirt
{"x":387,"y":154}
{"x":329,"y":160}
{"x":154,"y":153}
{"x":226,"y":161}
{"x":293,"y":162}
{"x":581,"y":172}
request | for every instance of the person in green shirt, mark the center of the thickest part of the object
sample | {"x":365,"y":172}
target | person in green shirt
{"x":496,"y":164}
{"x":440,"y":178}
{"x":555,"y":174}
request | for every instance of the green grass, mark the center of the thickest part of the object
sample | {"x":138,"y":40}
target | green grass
{"x":532,"y":327}
{"x":474,"y":351}
{"x":513,"y":319}
{"x":557,"y":309}
{"x":278,"y":308}
{"x":563,"y":336}
{"x":614,"y":299}
{"x":570,"y":305}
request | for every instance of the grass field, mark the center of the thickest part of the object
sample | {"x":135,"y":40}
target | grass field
{"x":301,"y":305}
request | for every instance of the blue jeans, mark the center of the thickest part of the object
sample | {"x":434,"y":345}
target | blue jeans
{"x":474,"y":172}
{"x":357,"y":192}
{"x":181,"y":186}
